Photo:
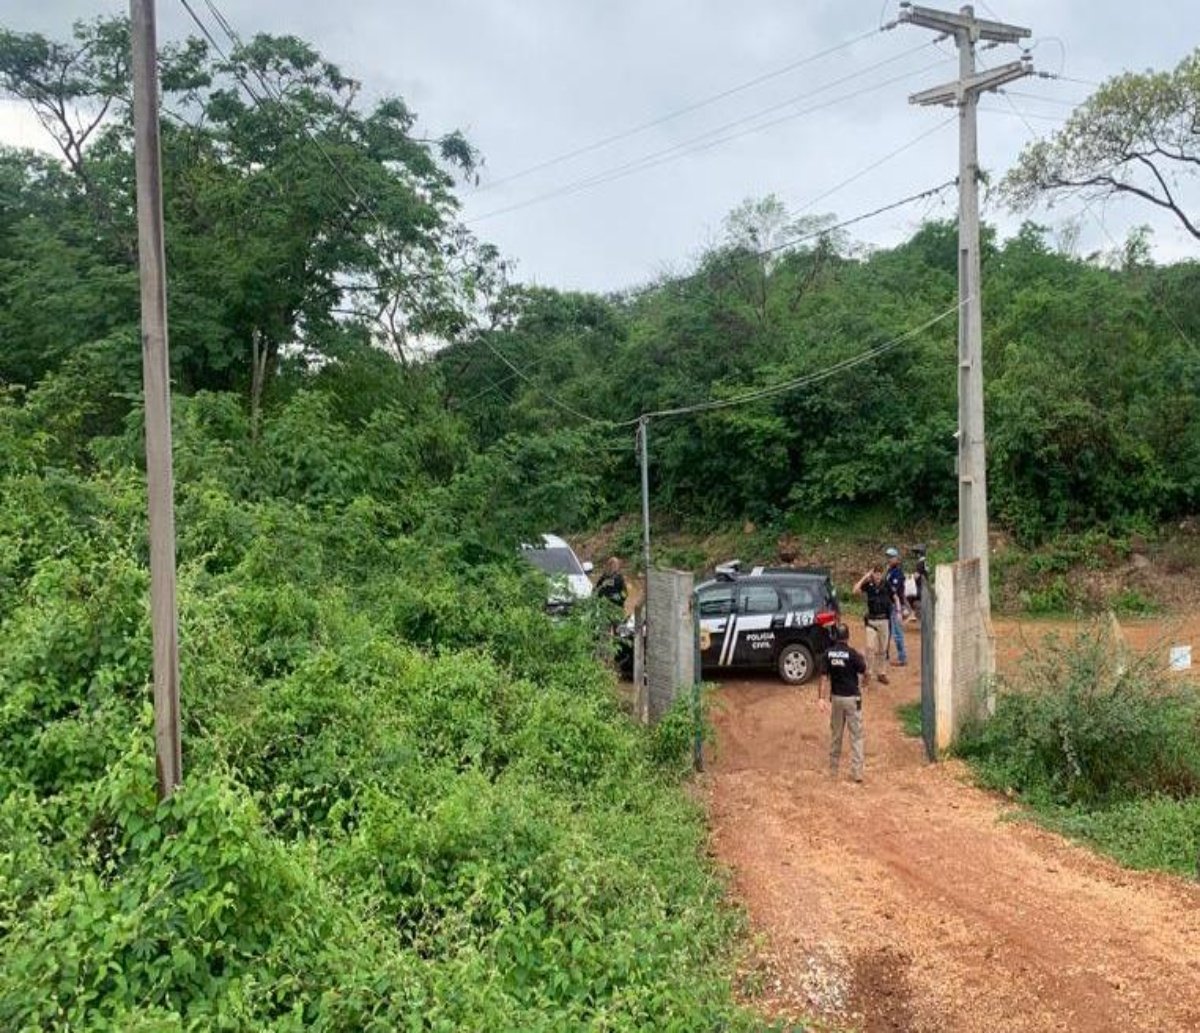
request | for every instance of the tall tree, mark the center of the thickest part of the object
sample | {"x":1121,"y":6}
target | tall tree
{"x":1137,"y":135}
{"x":291,"y":206}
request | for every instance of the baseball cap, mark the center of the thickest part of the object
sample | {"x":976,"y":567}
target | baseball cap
{"x":891,"y":552}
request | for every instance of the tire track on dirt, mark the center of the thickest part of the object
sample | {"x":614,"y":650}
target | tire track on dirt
{"x":912,"y":904}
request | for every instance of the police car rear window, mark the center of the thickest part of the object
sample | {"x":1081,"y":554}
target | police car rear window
{"x":803,"y":597}
{"x":554,"y":561}
{"x":716,"y":601}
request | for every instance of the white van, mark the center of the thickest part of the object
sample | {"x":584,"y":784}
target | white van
{"x":569,"y":579}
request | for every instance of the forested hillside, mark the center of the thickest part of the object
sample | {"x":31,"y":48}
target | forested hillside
{"x":1092,"y":386}
{"x":410,"y":802}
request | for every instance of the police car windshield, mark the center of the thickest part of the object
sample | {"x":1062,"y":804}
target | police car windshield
{"x":554,"y":561}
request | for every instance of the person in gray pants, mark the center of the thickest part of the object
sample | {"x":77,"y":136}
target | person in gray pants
{"x":841,"y":693}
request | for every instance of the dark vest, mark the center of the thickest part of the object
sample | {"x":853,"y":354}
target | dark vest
{"x":844,"y":665}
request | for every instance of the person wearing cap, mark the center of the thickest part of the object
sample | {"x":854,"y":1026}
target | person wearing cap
{"x":840,"y":691}
{"x":895,"y":578}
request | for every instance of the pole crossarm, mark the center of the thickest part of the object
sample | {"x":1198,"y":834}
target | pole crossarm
{"x":963,"y":24}
{"x":953,"y":93}
{"x":967,"y":31}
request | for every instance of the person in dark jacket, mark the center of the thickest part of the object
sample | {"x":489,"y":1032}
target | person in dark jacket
{"x":895,"y":579}
{"x":880,"y":601}
{"x":843,"y":672}
{"x":611,"y":585}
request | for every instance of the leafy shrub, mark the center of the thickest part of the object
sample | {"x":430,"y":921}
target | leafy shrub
{"x":1055,"y":598}
{"x":1156,"y":832}
{"x":673,"y":739}
{"x":1129,"y":602}
{"x":1103,"y":750}
{"x":1087,"y":728}
{"x":411,"y":802}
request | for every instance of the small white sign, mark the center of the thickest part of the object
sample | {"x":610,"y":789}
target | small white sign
{"x":1181,"y":658}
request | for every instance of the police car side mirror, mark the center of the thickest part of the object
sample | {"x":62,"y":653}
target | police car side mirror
{"x":588,"y":567}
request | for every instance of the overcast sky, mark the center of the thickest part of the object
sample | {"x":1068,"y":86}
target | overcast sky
{"x":530,"y":80}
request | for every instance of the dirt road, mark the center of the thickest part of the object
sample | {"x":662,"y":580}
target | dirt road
{"x":910,"y":903}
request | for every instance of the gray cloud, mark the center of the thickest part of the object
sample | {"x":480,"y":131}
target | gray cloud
{"x":530,"y":79}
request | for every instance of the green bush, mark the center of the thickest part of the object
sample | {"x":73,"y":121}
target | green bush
{"x":1054,"y":599}
{"x":1084,"y":727}
{"x":1157,"y":832}
{"x":410,"y":801}
{"x":1103,"y":749}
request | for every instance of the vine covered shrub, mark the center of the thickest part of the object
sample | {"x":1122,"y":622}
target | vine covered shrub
{"x":1087,"y":727}
{"x":410,"y":802}
{"x":1104,"y":750}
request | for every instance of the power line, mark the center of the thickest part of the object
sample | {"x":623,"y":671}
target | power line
{"x":362,"y":200}
{"x":625,"y":134}
{"x":1057,"y":119}
{"x":1087,"y":207}
{"x":537,"y":387}
{"x":497,"y":384}
{"x":236,"y":41}
{"x":676,"y":281}
{"x":793,"y":241}
{"x":1056,"y":101}
{"x":811,"y":378}
{"x":878,"y":162}
{"x":805,"y":237}
{"x":713,"y":138}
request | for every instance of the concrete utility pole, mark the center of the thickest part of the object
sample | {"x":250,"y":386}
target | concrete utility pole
{"x":643,"y":427}
{"x":967,"y":30}
{"x":156,"y":377}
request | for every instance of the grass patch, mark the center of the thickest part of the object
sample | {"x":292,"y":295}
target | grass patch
{"x":910,"y":718}
{"x":1156,"y":833}
{"x":1106,"y":753}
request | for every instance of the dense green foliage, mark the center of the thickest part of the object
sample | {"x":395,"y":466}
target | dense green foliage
{"x":1103,"y":747}
{"x":1092,"y":392}
{"x":1093,"y":370}
{"x":411,"y":801}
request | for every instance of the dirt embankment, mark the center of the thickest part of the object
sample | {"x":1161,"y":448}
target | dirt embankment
{"x":910,"y":903}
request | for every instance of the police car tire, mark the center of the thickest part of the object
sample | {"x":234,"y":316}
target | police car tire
{"x":792,"y":657}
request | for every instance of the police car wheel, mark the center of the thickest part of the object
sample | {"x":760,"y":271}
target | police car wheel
{"x":795,"y":664}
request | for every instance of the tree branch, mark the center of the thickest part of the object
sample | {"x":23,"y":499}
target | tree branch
{"x":1170,"y":199}
{"x":1116,"y":185}
{"x":1190,"y":159}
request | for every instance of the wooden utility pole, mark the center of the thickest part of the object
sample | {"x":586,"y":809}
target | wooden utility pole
{"x":967,"y":30}
{"x":156,"y":376}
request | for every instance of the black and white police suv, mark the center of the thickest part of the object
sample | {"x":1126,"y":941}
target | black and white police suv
{"x":780,"y":617}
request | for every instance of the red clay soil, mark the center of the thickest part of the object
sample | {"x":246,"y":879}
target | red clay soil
{"x":910,"y":903}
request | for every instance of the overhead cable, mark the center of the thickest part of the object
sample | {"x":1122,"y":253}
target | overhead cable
{"x":803,"y":381}
{"x":714,"y":138}
{"x":675,"y":281}
{"x":703,"y":102}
